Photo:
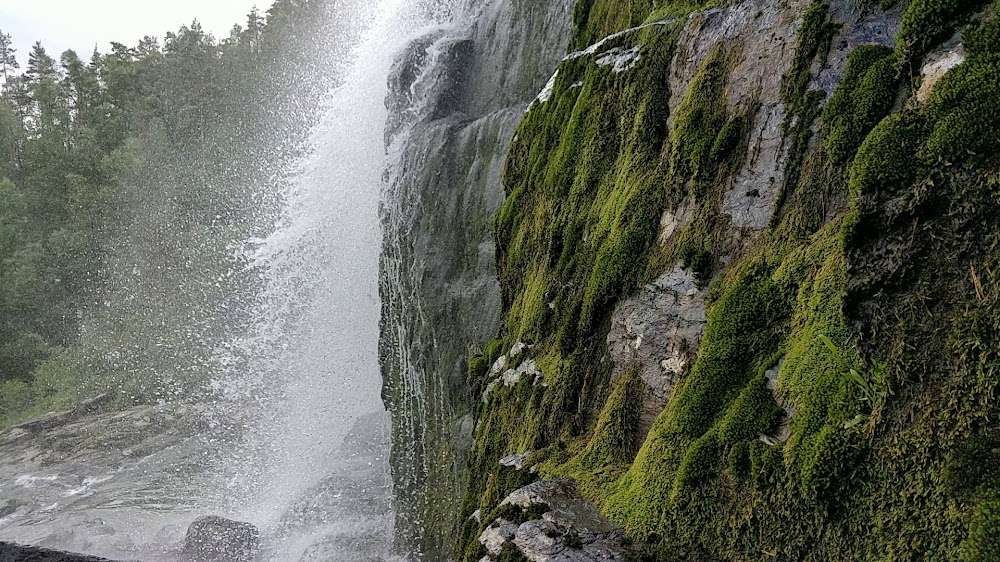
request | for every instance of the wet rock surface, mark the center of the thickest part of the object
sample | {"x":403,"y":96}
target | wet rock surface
{"x":570,"y":529}
{"x":660,"y":330}
{"x":438,"y":284}
{"x":763,"y":40}
{"x":127,"y":485}
{"x":217,"y":539}
{"x":10,"y":552}
{"x":106,"y":482}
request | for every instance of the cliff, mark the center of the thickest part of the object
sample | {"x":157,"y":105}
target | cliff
{"x":456,"y":96}
{"x":746,"y":261}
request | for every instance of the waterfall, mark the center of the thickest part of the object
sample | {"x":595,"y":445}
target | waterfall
{"x":292,"y":435}
{"x":316,"y":346}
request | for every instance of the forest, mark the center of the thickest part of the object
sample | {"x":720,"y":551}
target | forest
{"x":129,"y":182}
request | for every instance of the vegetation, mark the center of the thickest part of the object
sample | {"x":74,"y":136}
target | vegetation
{"x":870,"y":298}
{"x":125,"y":180}
{"x":868,"y":92}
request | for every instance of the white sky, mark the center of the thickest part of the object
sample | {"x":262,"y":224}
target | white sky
{"x":82,"y":24}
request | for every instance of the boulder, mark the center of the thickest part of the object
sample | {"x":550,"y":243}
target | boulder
{"x":215,"y":539}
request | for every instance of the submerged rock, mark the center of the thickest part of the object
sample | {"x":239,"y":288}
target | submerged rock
{"x":215,"y":539}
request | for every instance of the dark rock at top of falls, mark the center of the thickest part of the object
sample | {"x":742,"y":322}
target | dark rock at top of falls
{"x":10,"y":552}
{"x":215,"y":539}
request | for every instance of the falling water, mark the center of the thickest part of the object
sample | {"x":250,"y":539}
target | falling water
{"x":308,"y":461}
{"x":319,"y":327}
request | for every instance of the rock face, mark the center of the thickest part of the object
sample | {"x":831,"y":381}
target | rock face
{"x":660,"y":330}
{"x":10,"y":552}
{"x":732,"y":240}
{"x":456,"y":97}
{"x":560,"y":526}
{"x":215,"y":539}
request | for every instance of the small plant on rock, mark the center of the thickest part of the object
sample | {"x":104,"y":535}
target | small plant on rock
{"x":870,"y":383}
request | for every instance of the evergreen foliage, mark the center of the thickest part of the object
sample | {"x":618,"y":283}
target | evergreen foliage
{"x":126,"y":182}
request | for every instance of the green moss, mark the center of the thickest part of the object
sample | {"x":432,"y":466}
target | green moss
{"x":927,"y":22}
{"x":983,"y":542}
{"x":699,"y":464}
{"x":594,"y":20}
{"x":983,"y":39}
{"x":700,"y":120}
{"x":517,"y":514}
{"x":738,"y":460}
{"x":803,"y":105}
{"x":888,"y":156}
{"x":814,"y":39}
{"x":752,"y":414}
{"x":615,"y":437}
{"x":728,"y":139}
{"x":887,"y":244}
{"x":863,"y":98}
{"x":705,"y":141}
{"x":510,"y":553}
{"x":963,"y":110}
{"x":745,"y":329}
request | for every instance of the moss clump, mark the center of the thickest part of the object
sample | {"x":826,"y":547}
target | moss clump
{"x":615,"y":437}
{"x":926,"y":22}
{"x":964,"y":108}
{"x":745,"y":328}
{"x":594,"y":20}
{"x":510,"y":553}
{"x":480,"y":364}
{"x":752,"y":414}
{"x":887,"y":158}
{"x":863,"y":98}
{"x":700,"y":121}
{"x":517,"y":514}
{"x":813,"y":41}
{"x":804,"y":106}
{"x":698,"y":465}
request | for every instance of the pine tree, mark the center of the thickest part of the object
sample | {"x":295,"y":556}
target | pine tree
{"x":40,"y":64}
{"x":8,"y":58}
{"x":80,"y":86}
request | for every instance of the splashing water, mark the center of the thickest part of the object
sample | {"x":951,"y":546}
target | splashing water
{"x":309,"y":464}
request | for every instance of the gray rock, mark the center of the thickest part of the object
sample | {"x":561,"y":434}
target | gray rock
{"x":7,"y":507}
{"x":571,"y":529}
{"x":215,"y":539}
{"x":515,"y":461}
{"x":784,"y":431}
{"x":936,"y":65}
{"x":497,"y":534}
{"x":659,"y":330}
{"x":10,"y":552}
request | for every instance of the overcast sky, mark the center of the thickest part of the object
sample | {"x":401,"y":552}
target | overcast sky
{"x":82,"y":24}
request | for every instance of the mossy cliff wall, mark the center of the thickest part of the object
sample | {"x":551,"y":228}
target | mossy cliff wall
{"x":748,"y":263}
{"x":456,"y":96}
